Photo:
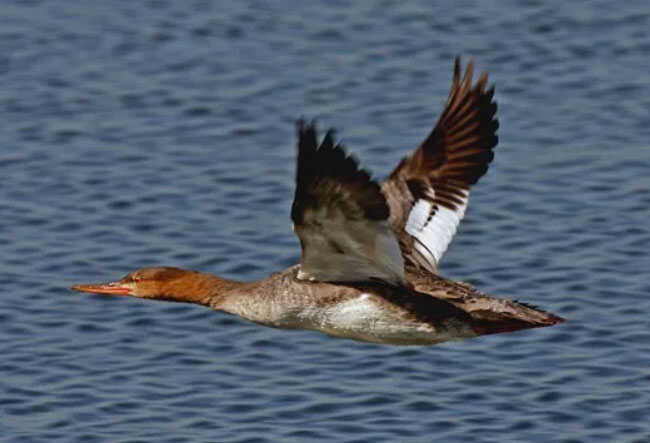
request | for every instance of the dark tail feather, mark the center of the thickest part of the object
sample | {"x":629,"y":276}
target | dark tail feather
{"x":485,"y":327}
{"x":524,"y":317}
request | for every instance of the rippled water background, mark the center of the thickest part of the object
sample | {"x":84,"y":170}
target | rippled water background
{"x":161,"y":132}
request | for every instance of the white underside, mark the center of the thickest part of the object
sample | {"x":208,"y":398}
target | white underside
{"x":364,"y":318}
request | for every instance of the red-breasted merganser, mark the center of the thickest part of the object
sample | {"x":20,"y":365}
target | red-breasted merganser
{"x":370,"y":251}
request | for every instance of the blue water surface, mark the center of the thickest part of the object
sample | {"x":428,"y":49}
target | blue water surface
{"x":160,"y":132}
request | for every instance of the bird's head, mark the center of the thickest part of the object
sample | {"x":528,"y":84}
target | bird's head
{"x":164,"y":283}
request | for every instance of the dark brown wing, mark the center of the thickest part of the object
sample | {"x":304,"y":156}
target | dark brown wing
{"x":428,"y":191}
{"x":340,"y":216}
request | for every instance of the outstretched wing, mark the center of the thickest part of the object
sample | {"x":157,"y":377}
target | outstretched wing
{"x":340,"y":216}
{"x":428,"y":191}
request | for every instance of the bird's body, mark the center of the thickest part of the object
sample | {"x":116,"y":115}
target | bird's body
{"x":368,"y":311}
{"x":432,"y":310}
{"x":370,"y":251}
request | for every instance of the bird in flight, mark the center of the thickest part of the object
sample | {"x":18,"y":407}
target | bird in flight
{"x":370,"y":250}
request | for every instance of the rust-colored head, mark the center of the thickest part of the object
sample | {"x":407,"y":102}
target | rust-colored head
{"x":165,"y":283}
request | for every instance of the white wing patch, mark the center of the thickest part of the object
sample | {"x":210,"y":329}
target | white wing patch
{"x":433,"y":226}
{"x":335,"y":248}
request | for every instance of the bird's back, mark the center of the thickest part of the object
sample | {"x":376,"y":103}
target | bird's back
{"x":490,"y":315}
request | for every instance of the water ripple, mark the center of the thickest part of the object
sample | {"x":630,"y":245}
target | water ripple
{"x":151,"y":133}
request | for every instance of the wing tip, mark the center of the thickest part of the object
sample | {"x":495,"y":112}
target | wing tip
{"x":327,"y":161}
{"x":467,"y":77}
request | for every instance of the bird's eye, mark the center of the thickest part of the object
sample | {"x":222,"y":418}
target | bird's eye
{"x":133,"y":278}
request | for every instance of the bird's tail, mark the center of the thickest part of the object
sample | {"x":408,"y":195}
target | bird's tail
{"x":494,"y":316}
